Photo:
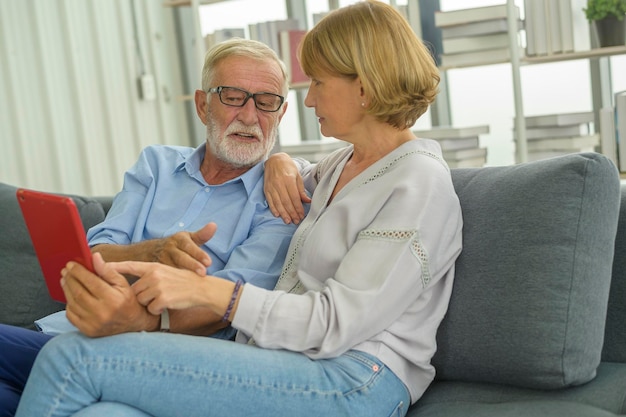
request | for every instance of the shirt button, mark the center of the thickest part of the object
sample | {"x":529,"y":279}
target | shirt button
{"x":207,"y":189}
{"x":181,"y":224}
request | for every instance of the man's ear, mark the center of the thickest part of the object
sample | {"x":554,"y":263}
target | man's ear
{"x":282,"y":111}
{"x":202,"y":107}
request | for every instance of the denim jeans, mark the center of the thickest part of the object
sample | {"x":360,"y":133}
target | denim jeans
{"x":161,"y":374}
{"x":18,"y":349}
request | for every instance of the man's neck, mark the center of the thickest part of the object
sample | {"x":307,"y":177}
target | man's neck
{"x":215,"y":171}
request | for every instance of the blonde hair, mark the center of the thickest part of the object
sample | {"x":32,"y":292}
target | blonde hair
{"x":373,"y":41}
{"x":243,"y":48}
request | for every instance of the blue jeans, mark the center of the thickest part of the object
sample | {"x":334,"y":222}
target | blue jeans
{"x":18,"y":350}
{"x":160,"y":374}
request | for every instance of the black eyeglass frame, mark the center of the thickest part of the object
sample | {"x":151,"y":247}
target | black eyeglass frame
{"x":218,"y":90}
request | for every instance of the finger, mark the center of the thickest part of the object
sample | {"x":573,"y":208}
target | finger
{"x":77,"y":279}
{"x":135,"y":268}
{"x":292,"y":199}
{"x":200,"y":237}
{"x":277,"y":208}
{"x":271,"y":204}
{"x":304,"y":196}
{"x":108,"y":274}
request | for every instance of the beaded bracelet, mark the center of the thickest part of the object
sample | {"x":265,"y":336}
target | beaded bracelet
{"x":233,"y":298}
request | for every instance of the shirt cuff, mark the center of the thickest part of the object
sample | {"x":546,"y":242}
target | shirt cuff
{"x":249,"y":309}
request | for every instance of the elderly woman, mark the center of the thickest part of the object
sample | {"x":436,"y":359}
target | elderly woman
{"x":350,"y":328}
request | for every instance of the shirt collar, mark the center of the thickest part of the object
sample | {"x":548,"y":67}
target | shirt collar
{"x":191,"y":163}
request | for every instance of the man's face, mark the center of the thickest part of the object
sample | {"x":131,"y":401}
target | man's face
{"x":243,"y":136}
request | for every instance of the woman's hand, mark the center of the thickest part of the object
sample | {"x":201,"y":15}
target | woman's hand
{"x":284,"y":189}
{"x":161,"y":286}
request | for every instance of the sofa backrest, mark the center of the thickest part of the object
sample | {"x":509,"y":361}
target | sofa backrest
{"x":531,"y":288}
{"x":23,"y":294}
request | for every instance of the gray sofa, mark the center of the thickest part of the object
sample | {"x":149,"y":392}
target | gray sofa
{"x":537,"y":322}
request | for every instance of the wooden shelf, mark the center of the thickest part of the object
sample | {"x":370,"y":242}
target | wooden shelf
{"x":546,"y":59}
{"x":570,"y":56}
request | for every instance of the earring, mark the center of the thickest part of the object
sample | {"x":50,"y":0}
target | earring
{"x":362,"y":104}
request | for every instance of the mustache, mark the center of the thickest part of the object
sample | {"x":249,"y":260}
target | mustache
{"x":238,"y":127}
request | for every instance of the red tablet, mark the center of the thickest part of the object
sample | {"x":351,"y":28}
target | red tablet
{"x":57,"y":234}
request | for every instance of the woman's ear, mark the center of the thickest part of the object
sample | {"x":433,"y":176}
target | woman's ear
{"x":362,"y":96}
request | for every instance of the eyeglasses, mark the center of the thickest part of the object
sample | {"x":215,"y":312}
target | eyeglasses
{"x":236,"y":97}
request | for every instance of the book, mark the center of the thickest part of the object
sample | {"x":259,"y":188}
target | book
{"x":529,"y":27}
{"x":414,"y":17}
{"x":475,"y":43}
{"x":556,"y":131}
{"x":447,"y":132}
{"x":222,"y":35}
{"x":620,"y":127}
{"x":484,"y":27}
{"x":566,"y":25}
{"x":459,"y":154}
{"x":608,"y":141}
{"x":450,"y":144}
{"x":580,"y":26}
{"x":474,"y":14}
{"x":289,"y":41}
{"x":313,"y":150}
{"x":468,"y":163}
{"x":559,"y":119}
{"x":277,"y":26}
{"x":540,"y":26}
{"x":535,"y":156}
{"x":318,"y":16}
{"x":554,"y":26}
{"x":581,"y":143}
{"x":484,"y":57}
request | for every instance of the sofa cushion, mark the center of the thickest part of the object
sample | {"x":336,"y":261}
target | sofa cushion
{"x":531,"y":287}
{"x":23,"y":293}
{"x":605,"y":392}
{"x":615,"y":332}
{"x":547,"y":408}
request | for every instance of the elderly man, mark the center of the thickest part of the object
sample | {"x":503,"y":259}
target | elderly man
{"x":168,"y":209}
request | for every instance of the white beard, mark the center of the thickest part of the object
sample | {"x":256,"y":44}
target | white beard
{"x":237,"y":153}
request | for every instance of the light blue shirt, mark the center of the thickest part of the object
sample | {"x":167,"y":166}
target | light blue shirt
{"x":164,"y":193}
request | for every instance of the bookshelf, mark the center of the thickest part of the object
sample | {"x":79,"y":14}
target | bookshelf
{"x":420,"y":15}
{"x":598,"y":61}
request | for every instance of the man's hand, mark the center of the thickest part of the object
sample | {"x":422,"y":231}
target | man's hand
{"x":180,"y":250}
{"x":284,"y":189}
{"x":103,"y":304}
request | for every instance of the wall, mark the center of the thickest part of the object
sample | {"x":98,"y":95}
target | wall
{"x":71,"y":116}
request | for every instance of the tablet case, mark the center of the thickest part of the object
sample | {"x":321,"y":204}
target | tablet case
{"x":57,"y":234}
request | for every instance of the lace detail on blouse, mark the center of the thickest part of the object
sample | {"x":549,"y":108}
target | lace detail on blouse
{"x":394,"y":161}
{"x":402,"y":235}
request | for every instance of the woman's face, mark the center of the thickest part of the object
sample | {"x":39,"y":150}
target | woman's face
{"x":339,"y":104}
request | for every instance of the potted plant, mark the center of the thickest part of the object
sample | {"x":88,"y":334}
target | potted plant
{"x":607,"y":19}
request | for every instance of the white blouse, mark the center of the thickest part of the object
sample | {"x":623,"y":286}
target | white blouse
{"x":372,"y":270}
